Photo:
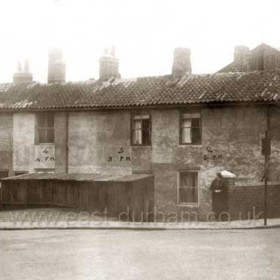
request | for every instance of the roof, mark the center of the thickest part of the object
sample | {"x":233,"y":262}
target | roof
{"x":257,"y":86}
{"x":236,"y":67}
{"x":78,"y":177}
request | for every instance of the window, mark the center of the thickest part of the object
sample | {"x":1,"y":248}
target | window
{"x":141,"y":130}
{"x":188,"y":187}
{"x":190,"y":129}
{"x":45,"y":128}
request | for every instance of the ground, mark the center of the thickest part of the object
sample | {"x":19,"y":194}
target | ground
{"x":124,"y":254}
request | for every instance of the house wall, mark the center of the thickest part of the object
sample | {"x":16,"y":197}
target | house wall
{"x":60,"y":139}
{"x":24,"y":146}
{"x":6,"y":133}
{"x":23,"y":141}
{"x":99,"y":142}
{"x":231,"y":140}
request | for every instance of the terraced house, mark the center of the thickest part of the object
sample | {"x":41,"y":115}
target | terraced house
{"x":167,"y":136}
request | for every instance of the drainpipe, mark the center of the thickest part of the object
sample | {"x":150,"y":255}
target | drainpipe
{"x":67,"y":144}
{"x":266,"y":162}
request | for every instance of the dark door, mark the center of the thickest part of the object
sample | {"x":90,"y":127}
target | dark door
{"x":220,"y":203}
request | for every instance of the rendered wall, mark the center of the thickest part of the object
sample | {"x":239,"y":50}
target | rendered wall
{"x":6,"y":135}
{"x":23,"y":141}
{"x":231,"y":140}
{"x":99,"y":142}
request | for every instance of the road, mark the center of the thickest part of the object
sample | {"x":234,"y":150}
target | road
{"x":105,"y":254}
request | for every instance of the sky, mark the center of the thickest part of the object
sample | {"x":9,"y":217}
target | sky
{"x":144,"y":33}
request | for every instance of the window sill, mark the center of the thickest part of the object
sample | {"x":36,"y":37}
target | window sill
{"x":141,"y":146}
{"x":190,"y":205}
{"x":190,"y":145}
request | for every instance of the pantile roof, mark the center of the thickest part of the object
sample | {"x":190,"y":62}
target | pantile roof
{"x":252,"y":87}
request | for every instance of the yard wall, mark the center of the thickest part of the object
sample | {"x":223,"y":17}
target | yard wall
{"x":247,"y":202}
{"x":131,"y":200}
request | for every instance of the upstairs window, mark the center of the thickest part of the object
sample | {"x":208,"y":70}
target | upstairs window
{"x":190,"y":130}
{"x":45,"y":128}
{"x":188,"y":187}
{"x":141,"y":130}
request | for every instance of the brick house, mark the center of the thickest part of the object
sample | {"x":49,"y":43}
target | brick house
{"x":181,"y":128}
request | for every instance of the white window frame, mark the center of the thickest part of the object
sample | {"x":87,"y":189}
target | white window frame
{"x":141,"y":117}
{"x":189,"y":115}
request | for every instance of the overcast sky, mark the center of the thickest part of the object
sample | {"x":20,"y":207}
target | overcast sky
{"x":144,"y":32}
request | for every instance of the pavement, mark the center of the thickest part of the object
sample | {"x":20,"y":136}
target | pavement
{"x":62,"y":218}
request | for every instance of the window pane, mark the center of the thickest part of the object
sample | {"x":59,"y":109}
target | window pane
{"x":186,"y":123}
{"x":186,"y":135}
{"x":50,"y":136}
{"x":141,"y":130}
{"x":188,"y":195}
{"x":50,"y":119}
{"x":196,"y":137}
{"x":195,"y":122}
{"x":188,"y":188}
{"x":146,"y":137}
{"x":42,"y":134}
{"x":137,"y":132}
{"x":146,"y":124}
{"x":137,"y":124}
{"x":41,"y":120}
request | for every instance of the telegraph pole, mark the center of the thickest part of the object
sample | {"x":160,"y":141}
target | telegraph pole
{"x":266,"y":149}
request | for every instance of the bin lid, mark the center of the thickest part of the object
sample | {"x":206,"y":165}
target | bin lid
{"x":228,"y":175}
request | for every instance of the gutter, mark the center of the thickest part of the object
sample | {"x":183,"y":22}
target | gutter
{"x":136,"y":107}
{"x":67,"y":144}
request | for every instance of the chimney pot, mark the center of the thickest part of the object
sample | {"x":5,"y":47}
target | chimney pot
{"x":242,"y":58}
{"x":22,"y":76}
{"x":56,"y":66}
{"x":181,"y":62}
{"x":108,"y":66}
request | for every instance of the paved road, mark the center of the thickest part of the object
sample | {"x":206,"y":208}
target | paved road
{"x":93,"y":254}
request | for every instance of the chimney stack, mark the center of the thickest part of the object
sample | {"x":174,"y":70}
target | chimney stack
{"x":56,"y":66}
{"x":108,"y":65}
{"x":242,"y":58}
{"x":22,"y":76}
{"x":181,"y":62}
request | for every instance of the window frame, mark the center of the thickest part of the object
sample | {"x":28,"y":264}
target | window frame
{"x":38,"y":128}
{"x":189,"y":204}
{"x":181,"y":118}
{"x":133,"y":115}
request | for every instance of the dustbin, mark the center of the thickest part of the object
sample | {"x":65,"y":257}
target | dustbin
{"x":219,"y":188}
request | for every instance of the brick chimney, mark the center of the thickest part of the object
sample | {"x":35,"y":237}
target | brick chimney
{"x":56,"y":66}
{"x":181,"y":62}
{"x":108,"y":65}
{"x":22,"y":75}
{"x":242,"y":58}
